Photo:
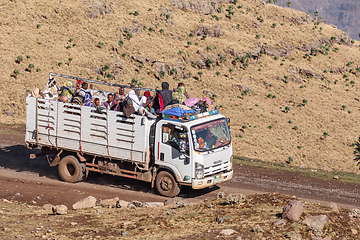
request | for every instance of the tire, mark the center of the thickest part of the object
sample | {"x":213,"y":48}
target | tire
{"x":85,"y":171}
{"x":166,"y":184}
{"x":70,"y":169}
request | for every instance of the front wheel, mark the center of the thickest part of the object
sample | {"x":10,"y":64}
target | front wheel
{"x":166,"y":184}
{"x":70,"y":169}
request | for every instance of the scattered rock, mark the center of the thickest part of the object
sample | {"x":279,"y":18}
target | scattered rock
{"x":227,"y":232}
{"x":235,"y":198}
{"x":139,"y":59}
{"x":219,"y":220}
{"x":336,"y":177}
{"x":122,"y":204}
{"x":136,"y":203}
{"x":59,"y":209}
{"x":316,"y":222}
{"x":279,"y":222}
{"x":334,"y":207}
{"x":47,"y":206}
{"x":180,"y":204}
{"x":153,"y":204}
{"x":355,"y":213}
{"x":327,"y":238}
{"x":293,"y":236}
{"x":131,"y":206}
{"x":73,"y":223}
{"x":6,"y":201}
{"x":258,"y":229}
{"x":88,"y":202}
{"x":208,"y":93}
{"x":171,"y":201}
{"x":220,"y":195}
{"x":293,"y":211}
{"x":110,"y":203}
{"x":354,"y":231}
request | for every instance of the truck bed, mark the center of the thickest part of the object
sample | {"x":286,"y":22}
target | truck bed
{"x":77,"y":128}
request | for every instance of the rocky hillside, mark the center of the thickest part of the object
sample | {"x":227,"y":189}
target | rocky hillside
{"x":288,"y":82}
{"x":344,"y":14}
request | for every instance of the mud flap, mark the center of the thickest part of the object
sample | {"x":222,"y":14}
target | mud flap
{"x":56,"y":160}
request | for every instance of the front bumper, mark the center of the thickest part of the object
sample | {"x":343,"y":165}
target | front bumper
{"x":211,"y":181}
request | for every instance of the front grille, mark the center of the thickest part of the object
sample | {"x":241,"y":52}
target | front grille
{"x":216,"y":169}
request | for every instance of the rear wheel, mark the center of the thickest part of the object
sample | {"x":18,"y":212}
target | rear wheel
{"x":166,"y":184}
{"x":70,"y":170}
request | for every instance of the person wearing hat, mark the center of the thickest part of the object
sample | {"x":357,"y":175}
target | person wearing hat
{"x":67,"y":90}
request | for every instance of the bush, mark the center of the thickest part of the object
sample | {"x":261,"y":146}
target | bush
{"x":16,"y":71}
{"x":38,"y":26}
{"x":121,"y":43}
{"x":289,"y":160}
{"x":19,"y":59}
{"x":100,"y":45}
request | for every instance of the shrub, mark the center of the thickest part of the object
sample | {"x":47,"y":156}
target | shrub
{"x":129,"y":36}
{"x":343,"y":107}
{"x":161,"y":30}
{"x":19,"y":59}
{"x":257,"y":36}
{"x":162,"y":74}
{"x":38,"y":26}
{"x":191,"y":34}
{"x":38,"y":70}
{"x":100,"y":45}
{"x":217,"y":73}
{"x":31,"y":66}
{"x":136,"y":13}
{"x":295,"y":128}
{"x":287,"y":109}
{"x":276,"y":58}
{"x":28,"y":57}
{"x":274,"y":25}
{"x":121,"y":43}
{"x":289,"y":160}
{"x":208,"y":48}
{"x":216,"y":17}
{"x":16,"y":71}
{"x":189,"y":43}
{"x":134,"y":81}
{"x":305,"y":101}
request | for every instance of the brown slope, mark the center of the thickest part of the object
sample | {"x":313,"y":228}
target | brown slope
{"x":261,"y":127}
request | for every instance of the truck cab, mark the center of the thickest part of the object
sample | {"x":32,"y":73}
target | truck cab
{"x":197,"y":153}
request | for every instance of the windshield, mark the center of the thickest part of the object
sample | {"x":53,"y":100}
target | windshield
{"x":210,"y":135}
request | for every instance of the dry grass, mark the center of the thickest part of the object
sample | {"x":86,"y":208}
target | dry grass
{"x":46,"y":46}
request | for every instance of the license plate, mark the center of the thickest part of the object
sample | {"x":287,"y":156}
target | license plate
{"x":218,"y":179}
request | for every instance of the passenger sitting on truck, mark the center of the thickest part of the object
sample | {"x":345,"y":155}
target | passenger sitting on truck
{"x":144,"y":98}
{"x":121,"y":99}
{"x":165,"y":93}
{"x":135,"y":100}
{"x":98,"y":107}
{"x":63,"y":99}
{"x":37,"y":93}
{"x":110,"y":104}
{"x":86,"y":94}
{"x":179,"y":94}
{"x":181,"y":85}
{"x":129,"y":108}
{"x":67,"y":90}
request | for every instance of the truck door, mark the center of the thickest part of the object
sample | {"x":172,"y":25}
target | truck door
{"x":173,"y":149}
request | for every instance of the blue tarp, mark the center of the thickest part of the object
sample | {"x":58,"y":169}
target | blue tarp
{"x":178,"y":111}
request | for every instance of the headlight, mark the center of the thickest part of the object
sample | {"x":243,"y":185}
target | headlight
{"x":199,"y":170}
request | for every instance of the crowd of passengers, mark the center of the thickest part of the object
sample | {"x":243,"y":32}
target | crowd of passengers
{"x":130,"y":103}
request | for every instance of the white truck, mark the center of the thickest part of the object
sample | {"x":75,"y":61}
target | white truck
{"x":167,"y":153}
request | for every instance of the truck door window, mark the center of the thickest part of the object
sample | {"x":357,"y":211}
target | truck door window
{"x":170,"y":135}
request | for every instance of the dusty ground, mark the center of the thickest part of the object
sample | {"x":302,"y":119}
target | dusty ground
{"x":52,"y":32}
{"x":33,"y":181}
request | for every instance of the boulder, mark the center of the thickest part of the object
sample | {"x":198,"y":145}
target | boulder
{"x":136,"y":203}
{"x":122,"y":204}
{"x":153,"y":204}
{"x":88,"y":202}
{"x":293,"y":236}
{"x":48,"y":206}
{"x":355,"y":213}
{"x":279,"y":222}
{"x":235,"y":198}
{"x":110,"y":203}
{"x":227,"y":232}
{"x":316,"y":222}
{"x":59,"y":209}
{"x":293,"y":211}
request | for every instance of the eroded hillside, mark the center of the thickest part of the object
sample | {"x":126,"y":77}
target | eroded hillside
{"x":288,"y":82}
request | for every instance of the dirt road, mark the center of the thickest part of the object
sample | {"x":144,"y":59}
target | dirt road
{"x":33,"y":181}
